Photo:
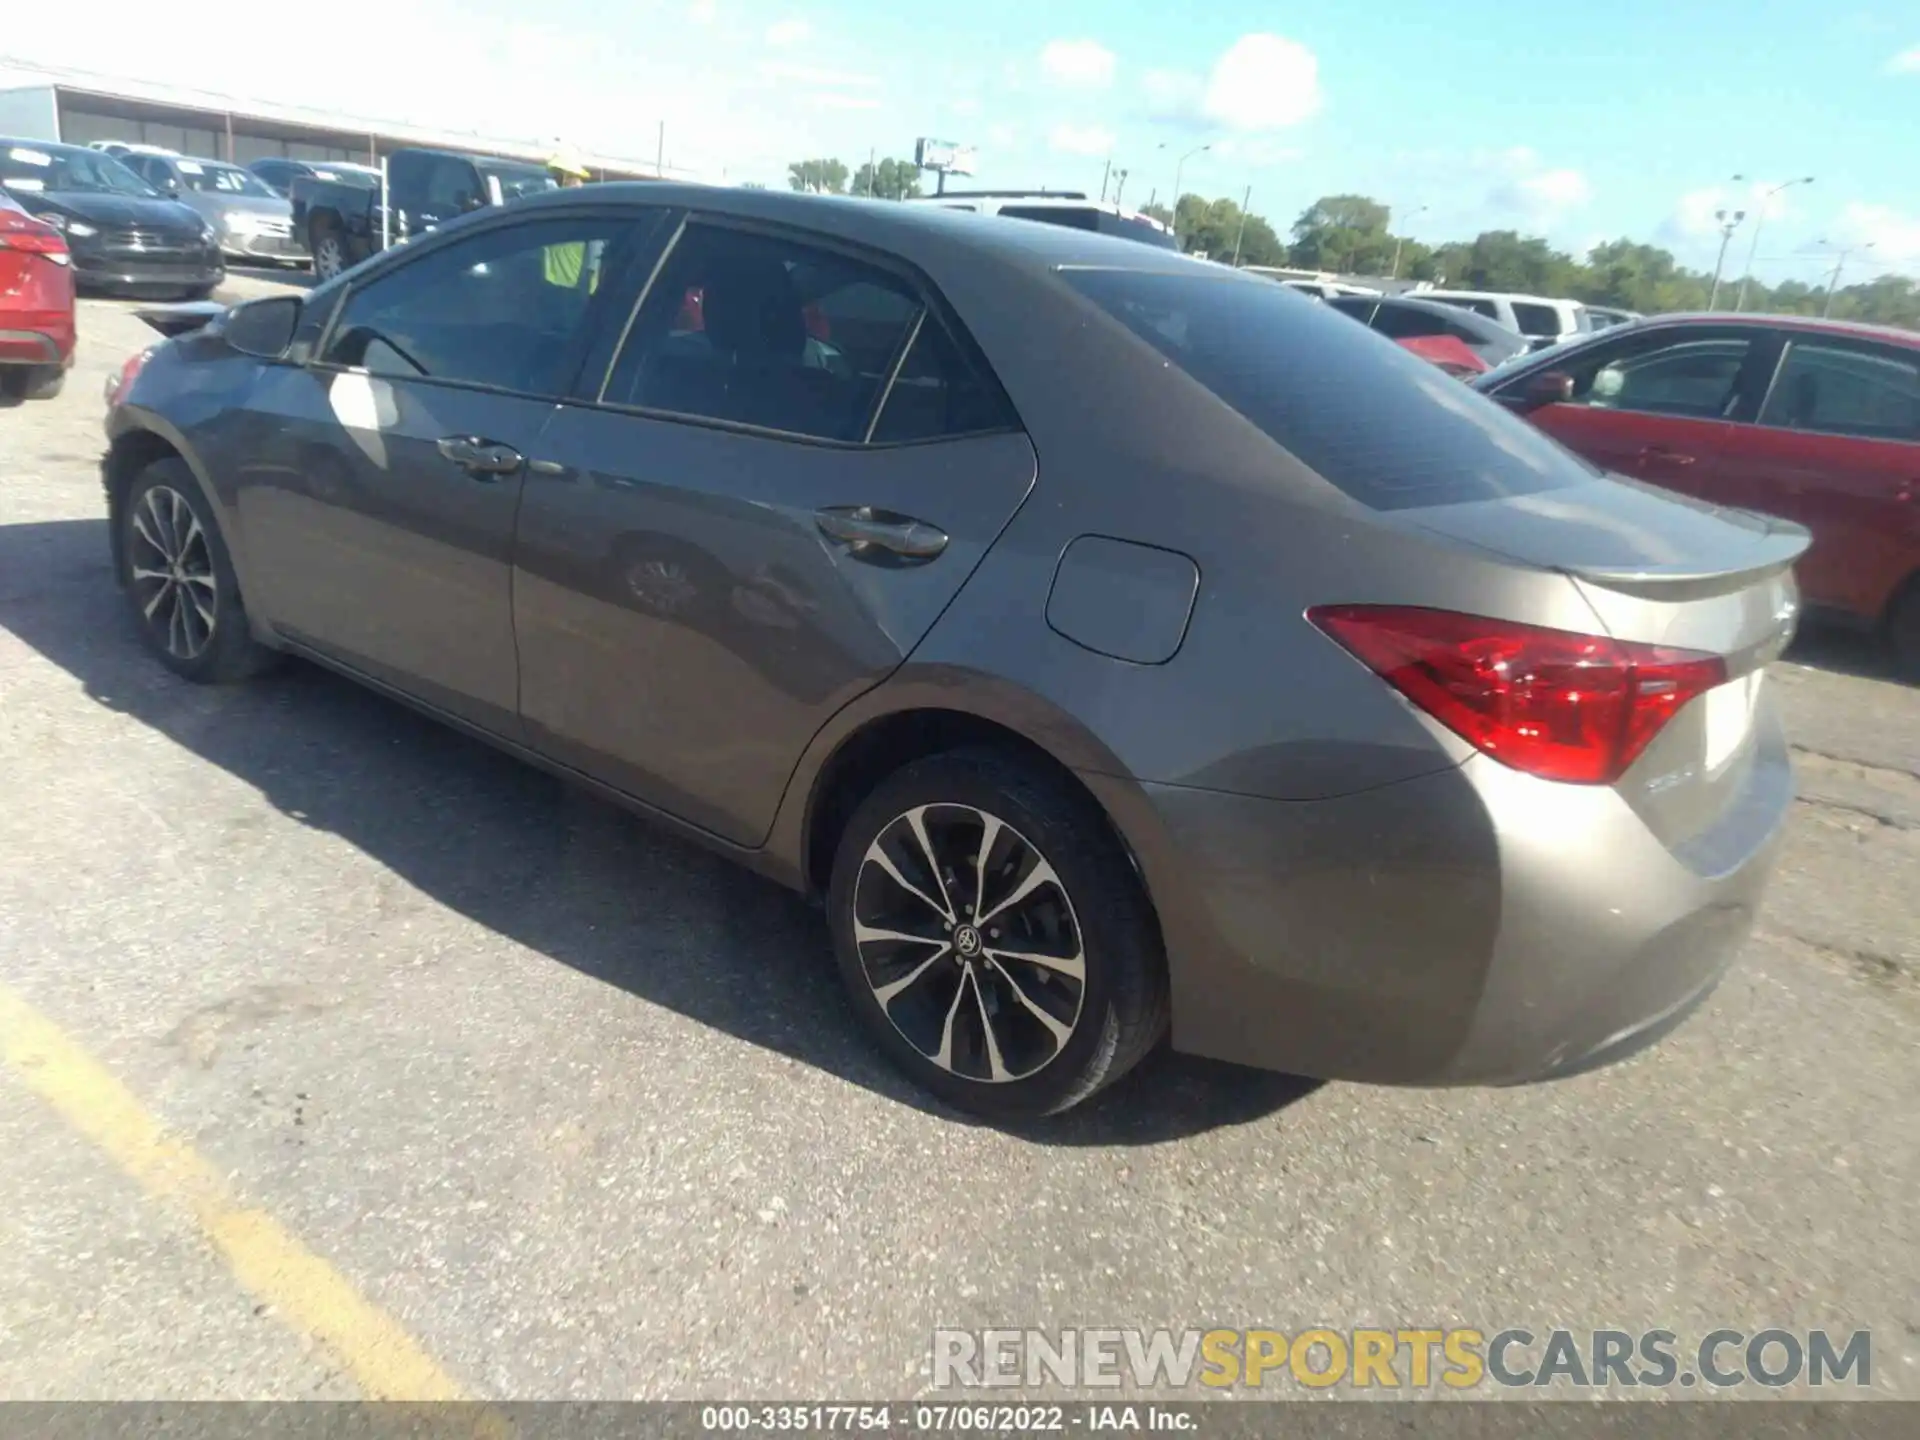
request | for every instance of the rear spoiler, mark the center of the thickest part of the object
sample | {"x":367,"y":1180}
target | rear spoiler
{"x":183,"y":319}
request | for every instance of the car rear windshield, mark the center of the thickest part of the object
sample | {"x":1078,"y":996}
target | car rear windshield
{"x":1101,"y":222}
{"x":1387,"y":429}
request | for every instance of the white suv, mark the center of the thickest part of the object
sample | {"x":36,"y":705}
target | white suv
{"x":1543,"y":321}
{"x":1056,"y":207}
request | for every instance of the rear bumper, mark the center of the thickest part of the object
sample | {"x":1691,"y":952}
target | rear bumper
{"x":284,"y":248}
{"x":1473,"y":926}
{"x":36,"y":339}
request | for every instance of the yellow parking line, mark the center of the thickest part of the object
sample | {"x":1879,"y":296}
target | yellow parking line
{"x":309,"y":1294}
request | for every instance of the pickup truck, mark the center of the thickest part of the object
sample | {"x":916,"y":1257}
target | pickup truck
{"x":343,"y":223}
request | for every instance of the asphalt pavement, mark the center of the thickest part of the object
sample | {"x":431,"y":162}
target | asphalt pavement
{"x":345,"y":1056}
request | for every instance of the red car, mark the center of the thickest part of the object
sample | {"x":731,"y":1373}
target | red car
{"x":36,"y":306}
{"x":1814,"y":421}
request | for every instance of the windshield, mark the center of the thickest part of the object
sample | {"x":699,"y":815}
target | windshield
{"x":348,"y":175}
{"x":59,"y":169}
{"x":211,"y":178}
{"x":1383,"y":427}
{"x":516,"y":180}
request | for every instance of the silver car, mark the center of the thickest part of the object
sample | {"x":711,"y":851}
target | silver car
{"x":1116,"y":645}
{"x":252,"y":222}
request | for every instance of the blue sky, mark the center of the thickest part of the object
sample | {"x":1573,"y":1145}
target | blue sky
{"x":1577,"y":122}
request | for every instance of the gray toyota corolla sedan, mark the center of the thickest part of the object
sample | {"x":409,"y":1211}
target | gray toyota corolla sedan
{"x":1117,"y":646}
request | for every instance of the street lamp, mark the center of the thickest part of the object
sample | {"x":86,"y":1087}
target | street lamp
{"x":1395,"y":273}
{"x":1833,"y":280}
{"x":1198,"y":149}
{"x":1728,"y":222}
{"x":1753,"y":246}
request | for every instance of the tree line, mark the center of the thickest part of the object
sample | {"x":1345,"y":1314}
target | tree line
{"x":1352,"y":235}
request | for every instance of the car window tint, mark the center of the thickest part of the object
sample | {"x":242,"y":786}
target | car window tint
{"x":502,"y":308}
{"x":1536,"y":319}
{"x":758,"y":330}
{"x":450,"y":184}
{"x":940,"y":392}
{"x":1074,"y":217}
{"x":1675,"y":377}
{"x":1384,"y":427}
{"x":1844,"y":390}
{"x":1354,"y":305}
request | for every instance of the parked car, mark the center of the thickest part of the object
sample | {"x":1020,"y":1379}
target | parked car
{"x":1459,"y":341}
{"x":279,"y":174}
{"x":1413,"y":786}
{"x":36,"y":306}
{"x":1070,"y":208}
{"x":1600,"y":317}
{"x":252,"y":222}
{"x":120,"y":149}
{"x":124,"y":236}
{"x":341,"y":220}
{"x":1543,"y":321}
{"x":1326,"y":289}
{"x":1813,"y":420}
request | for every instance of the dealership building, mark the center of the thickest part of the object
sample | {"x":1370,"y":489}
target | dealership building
{"x":75,"y":108}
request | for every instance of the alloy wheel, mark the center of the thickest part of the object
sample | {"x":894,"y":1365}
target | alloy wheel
{"x":171,"y":567}
{"x":969,"y":943}
{"x":328,"y":258}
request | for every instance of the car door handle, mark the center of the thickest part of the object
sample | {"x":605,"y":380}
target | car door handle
{"x":481,"y":459}
{"x":1661,"y":452}
{"x":866,"y":530}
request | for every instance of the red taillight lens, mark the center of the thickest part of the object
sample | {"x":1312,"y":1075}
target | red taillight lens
{"x":18,"y":232}
{"x":1552,"y":703}
{"x":119,"y":384}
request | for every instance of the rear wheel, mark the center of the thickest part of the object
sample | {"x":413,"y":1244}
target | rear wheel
{"x":994,"y":937}
{"x":179,"y":580}
{"x":31,"y":382}
{"x":329,"y":252}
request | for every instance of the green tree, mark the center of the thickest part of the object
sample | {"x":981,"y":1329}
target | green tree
{"x":1158,"y":212}
{"x":888,"y":180}
{"x":818,"y":177}
{"x":1346,"y":234}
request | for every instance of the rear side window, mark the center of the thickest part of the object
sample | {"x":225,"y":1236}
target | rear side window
{"x":941,"y":392}
{"x":1541,"y":320}
{"x":1403,"y":322}
{"x":1388,"y":429}
{"x":1844,"y":390}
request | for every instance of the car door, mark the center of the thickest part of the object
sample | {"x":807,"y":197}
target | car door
{"x":379,"y":483}
{"x":1836,"y":447}
{"x":1657,"y":406}
{"x":756,"y":518}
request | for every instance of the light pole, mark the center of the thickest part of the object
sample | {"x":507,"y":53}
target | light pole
{"x":1182,"y":165}
{"x":1395,"y":274}
{"x":1728,"y":224}
{"x":1833,"y":280}
{"x":1241,"y":233}
{"x":1753,"y":245}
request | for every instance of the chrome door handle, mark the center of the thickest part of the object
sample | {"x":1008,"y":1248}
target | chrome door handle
{"x":866,"y":529}
{"x":481,"y":458}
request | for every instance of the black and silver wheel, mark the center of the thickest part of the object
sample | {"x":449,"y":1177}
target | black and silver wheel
{"x":994,"y":937}
{"x":31,"y":382}
{"x":329,"y":254}
{"x":179,"y":578}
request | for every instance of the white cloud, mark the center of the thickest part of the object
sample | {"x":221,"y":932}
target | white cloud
{"x":833,"y":100}
{"x":1907,"y":62}
{"x":703,"y":12}
{"x":1084,"y":64}
{"x":815,"y":75}
{"x":1081,"y":140}
{"x":1257,"y":151}
{"x":1260,"y":83}
{"x":1693,"y":217}
{"x":1895,"y":237}
{"x":966,"y":106}
{"x":1532,"y":194}
{"x":788,"y":32}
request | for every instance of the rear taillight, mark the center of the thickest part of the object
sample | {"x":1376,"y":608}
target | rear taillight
{"x":1552,"y":703}
{"x":19,"y":232}
{"x":118,"y":385}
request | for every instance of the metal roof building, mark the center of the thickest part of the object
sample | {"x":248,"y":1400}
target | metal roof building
{"x":78,"y":108}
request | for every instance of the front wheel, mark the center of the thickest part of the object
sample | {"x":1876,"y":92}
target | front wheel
{"x":994,"y":937}
{"x":329,"y":253}
{"x":179,"y":580}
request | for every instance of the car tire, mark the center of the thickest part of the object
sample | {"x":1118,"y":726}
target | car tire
{"x":1903,"y":630}
{"x":950,"y":1003}
{"x":201,"y":292}
{"x":329,"y":248}
{"x":179,"y":581}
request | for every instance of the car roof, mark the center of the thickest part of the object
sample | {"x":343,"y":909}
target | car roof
{"x":1496,"y":295}
{"x":1813,"y":324}
{"x":915,"y":232}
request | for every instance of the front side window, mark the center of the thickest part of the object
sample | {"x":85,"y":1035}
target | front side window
{"x":758,"y":330}
{"x":1846,"y":390}
{"x":1388,"y":430}
{"x":1403,"y":322}
{"x":210,"y":178}
{"x":450,"y":185}
{"x":1684,"y":375}
{"x":501,"y":309}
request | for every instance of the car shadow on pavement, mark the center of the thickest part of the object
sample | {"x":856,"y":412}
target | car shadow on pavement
{"x":1843,"y":651}
{"x":537,"y":860}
